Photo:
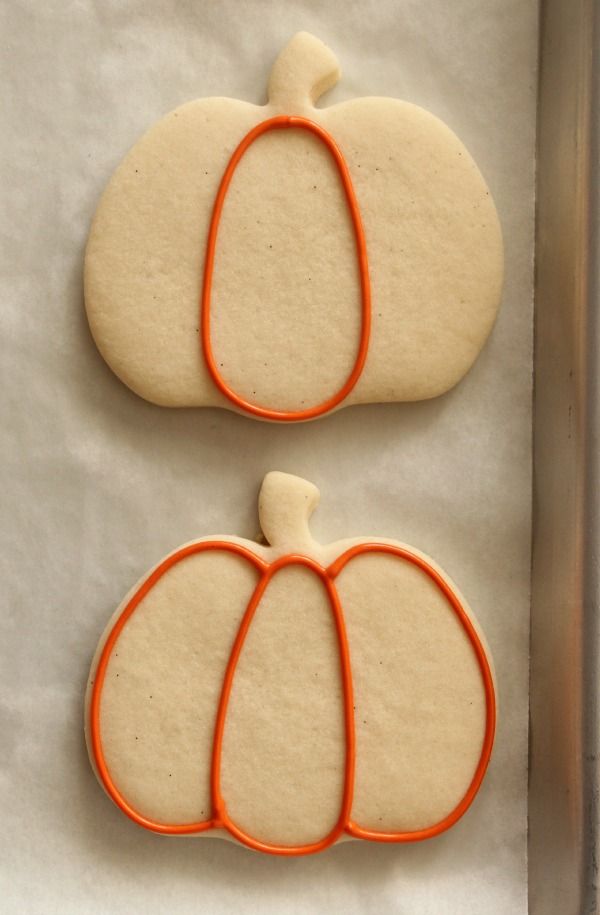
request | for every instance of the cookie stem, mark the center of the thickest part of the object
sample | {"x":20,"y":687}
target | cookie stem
{"x":285,"y":505}
{"x":303,"y":71}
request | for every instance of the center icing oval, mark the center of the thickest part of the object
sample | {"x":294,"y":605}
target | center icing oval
{"x":288,"y":784}
{"x":286,"y":218}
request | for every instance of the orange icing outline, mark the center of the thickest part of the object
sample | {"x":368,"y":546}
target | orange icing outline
{"x":220,"y":818}
{"x":277,"y":123}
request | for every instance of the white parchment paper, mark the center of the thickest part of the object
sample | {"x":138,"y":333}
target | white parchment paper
{"x":98,"y":485}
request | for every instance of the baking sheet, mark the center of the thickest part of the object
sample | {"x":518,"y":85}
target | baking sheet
{"x":98,"y":485}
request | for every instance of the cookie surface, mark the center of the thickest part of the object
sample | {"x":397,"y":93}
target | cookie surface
{"x":356,"y":252}
{"x":292,"y":695}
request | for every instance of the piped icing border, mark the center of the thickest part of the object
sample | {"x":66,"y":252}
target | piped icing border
{"x":278,"y":123}
{"x":220,"y":818}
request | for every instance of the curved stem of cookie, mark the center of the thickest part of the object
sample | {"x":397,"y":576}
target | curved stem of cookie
{"x":285,"y":504}
{"x":303,"y":71}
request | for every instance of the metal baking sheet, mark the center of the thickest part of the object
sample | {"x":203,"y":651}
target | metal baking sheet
{"x":564,"y":777}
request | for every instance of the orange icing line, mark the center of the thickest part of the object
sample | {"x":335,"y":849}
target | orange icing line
{"x":100,"y":675}
{"x":277,"y":123}
{"x":220,"y":818}
{"x":418,"y":835}
{"x":218,"y":801}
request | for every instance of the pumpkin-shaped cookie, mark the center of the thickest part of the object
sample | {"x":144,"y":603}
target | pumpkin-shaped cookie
{"x":291,"y":694}
{"x":285,"y":260}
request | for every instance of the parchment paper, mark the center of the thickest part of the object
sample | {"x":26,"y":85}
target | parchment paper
{"x":98,"y":485}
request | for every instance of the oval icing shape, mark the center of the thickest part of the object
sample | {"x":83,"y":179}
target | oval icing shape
{"x":289,"y":784}
{"x":285,"y":242}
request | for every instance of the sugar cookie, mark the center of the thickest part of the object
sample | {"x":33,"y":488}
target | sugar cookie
{"x":293,"y":694}
{"x":285,"y":260}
